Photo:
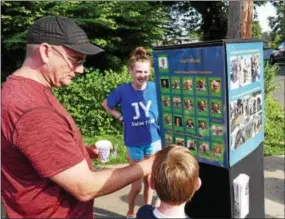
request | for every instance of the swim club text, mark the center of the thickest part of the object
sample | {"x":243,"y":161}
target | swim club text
{"x":145,"y":108}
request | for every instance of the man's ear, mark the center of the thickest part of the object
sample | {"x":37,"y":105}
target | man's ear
{"x":198,"y":184}
{"x":45,"y":52}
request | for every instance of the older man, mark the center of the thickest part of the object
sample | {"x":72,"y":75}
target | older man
{"x":46,"y":169}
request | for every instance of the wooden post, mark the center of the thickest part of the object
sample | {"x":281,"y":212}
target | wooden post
{"x":246,"y":19}
{"x":240,"y":19}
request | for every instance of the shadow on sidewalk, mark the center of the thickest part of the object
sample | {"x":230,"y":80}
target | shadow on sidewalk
{"x":139,"y":201}
{"x":273,"y":163}
{"x":102,"y":213}
{"x":274,"y":189}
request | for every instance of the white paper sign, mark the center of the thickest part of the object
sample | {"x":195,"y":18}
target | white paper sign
{"x":241,"y":196}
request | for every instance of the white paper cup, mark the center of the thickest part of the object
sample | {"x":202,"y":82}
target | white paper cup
{"x":104,"y":149}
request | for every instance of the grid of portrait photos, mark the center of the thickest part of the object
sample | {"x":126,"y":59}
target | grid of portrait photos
{"x":192,"y":110}
{"x":244,"y":70}
{"x":245,"y":119}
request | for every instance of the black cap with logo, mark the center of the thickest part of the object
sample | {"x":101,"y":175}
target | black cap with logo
{"x":62,"y":31}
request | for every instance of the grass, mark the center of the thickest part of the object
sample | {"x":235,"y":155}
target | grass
{"x":118,"y":143}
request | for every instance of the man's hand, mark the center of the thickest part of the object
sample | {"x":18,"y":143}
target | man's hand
{"x":92,"y":151}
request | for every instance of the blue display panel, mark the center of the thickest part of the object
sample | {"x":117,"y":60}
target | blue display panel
{"x":245,"y":98}
{"x":191,"y":87}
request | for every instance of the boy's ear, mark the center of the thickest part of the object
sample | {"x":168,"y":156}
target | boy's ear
{"x":151,"y":182}
{"x":198,"y":183}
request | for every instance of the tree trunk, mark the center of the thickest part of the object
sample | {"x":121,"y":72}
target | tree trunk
{"x":240,"y":19}
{"x":247,"y":17}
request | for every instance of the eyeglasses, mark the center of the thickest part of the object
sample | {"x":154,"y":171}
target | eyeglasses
{"x":75,"y":62}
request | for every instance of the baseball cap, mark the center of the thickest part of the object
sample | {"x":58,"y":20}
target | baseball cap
{"x":59,"y":30}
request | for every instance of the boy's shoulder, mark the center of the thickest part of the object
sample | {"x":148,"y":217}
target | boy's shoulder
{"x":146,"y":211}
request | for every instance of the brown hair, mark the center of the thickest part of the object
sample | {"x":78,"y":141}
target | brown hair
{"x":175,"y":174}
{"x":139,"y":54}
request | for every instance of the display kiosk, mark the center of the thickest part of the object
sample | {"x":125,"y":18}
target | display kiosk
{"x":211,"y":100}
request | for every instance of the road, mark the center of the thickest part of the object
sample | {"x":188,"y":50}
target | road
{"x":280,"y":92}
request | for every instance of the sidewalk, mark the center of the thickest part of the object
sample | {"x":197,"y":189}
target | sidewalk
{"x":115,"y":205}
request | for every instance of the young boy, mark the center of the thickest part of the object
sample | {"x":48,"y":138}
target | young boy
{"x":175,"y":177}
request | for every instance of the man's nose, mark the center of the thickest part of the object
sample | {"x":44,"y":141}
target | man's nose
{"x":79,"y":69}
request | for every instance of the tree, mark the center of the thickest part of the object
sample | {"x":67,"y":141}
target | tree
{"x":278,"y":23}
{"x":15,"y":18}
{"x":207,"y":17}
{"x":256,"y":30}
{"x":116,"y":26}
{"x":210,"y":18}
{"x":240,"y":16}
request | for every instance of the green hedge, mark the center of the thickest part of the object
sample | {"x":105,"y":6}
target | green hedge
{"x":83,"y":99}
{"x":274,"y":128}
{"x":270,"y":73}
{"x":274,"y":115}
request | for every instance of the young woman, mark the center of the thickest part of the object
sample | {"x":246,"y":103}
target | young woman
{"x":140,"y":118}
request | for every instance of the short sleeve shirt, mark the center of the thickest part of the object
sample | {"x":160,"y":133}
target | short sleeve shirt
{"x":140,"y":112}
{"x":39,"y":140}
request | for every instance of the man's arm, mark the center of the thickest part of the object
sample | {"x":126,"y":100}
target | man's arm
{"x":86,"y":185}
{"x":51,"y":149}
{"x":112,"y":112}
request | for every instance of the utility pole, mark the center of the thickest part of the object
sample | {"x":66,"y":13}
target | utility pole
{"x":240,"y":18}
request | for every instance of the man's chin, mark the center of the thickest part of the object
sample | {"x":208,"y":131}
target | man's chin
{"x":65,"y":83}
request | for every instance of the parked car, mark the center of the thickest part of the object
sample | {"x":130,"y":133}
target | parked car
{"x":267,"y":52}
{"x":278,"y":55}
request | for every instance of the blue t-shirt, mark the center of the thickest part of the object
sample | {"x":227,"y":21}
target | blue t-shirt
{"x":140,"y":112}
{"x":146,"y":212}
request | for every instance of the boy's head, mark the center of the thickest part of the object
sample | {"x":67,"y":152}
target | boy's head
{"x":175,"y":175}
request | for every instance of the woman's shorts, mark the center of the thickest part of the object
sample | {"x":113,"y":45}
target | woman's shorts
{"x":137,"y":153}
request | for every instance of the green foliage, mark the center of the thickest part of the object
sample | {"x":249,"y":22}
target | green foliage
{"x":274,"y":128}
{"x":278,"y":23}
{"x":274,"y":115}
{"x":116,"y":26}
{"x":269,"y":78}
{"x":83,"y":99}
{"x":276,"y":41}
{"x":256,"y":30}
{"x":208,"y":17}
{"x":15,"y":18}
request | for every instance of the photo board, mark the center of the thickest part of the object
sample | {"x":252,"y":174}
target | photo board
{"x":211,"y":98}
{"x":191,"y":85}
{"x":245,"y":98}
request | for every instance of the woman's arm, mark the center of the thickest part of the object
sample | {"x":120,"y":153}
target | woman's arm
{"x":116,"y":114}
